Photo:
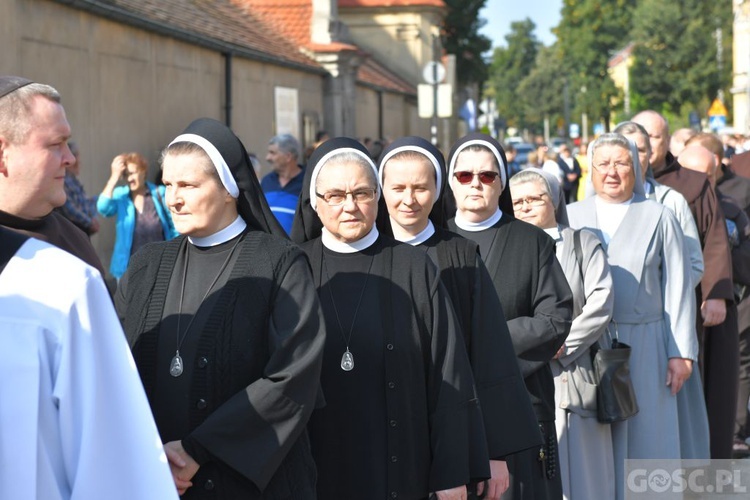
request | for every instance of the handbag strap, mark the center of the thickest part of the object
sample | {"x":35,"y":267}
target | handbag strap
{"x":578,"y":251}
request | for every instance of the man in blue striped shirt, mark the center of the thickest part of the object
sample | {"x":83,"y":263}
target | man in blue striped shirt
{"x":283,"y":185}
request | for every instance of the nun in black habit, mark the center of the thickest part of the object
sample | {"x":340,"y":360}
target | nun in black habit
{"x":402,"y":418}
{"x":534,"y":293}
{"x":412,"y":176}
{"x":226,"y":329}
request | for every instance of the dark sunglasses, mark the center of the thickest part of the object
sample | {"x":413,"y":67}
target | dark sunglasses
{"x":485,"y":177}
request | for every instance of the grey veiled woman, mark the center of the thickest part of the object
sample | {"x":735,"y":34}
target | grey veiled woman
{"x":654,"y":305}
{"x":586,"y":458}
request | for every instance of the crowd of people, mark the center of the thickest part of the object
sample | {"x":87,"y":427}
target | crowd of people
{"x":382,"y":322}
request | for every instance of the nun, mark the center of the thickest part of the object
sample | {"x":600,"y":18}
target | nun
{"x":225,"y":328}
{"x":654,"y":306}
{"x":412,"y":176}
{"x":587,"y":467}
{"x":402,"y":419}
{"x":533,"y":292}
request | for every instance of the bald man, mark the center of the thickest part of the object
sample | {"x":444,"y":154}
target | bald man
{"x":732,"y":188}
{"x":678,"y":140}
{"x":720,"y":348}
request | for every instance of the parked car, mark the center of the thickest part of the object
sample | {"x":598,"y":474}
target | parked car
{"x":522,"y":152}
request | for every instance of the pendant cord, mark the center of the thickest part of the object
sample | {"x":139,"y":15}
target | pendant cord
{"x":359,"y":302}
{"x":181,"y":338}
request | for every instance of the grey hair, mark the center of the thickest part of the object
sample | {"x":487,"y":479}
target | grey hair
{"x":348,"y":157}
{"x":15,"y":110}
{"x":530,"y":175}
{"x":632,"y":128}
{"x":286,"y":143}
{"x":611,"y":139}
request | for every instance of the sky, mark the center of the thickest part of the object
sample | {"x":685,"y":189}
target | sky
{"x":500,"y":13}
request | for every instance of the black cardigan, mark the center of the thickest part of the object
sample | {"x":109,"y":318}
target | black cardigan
{"x":255,"y":386}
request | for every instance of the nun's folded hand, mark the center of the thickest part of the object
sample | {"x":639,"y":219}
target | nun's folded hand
{"x":457,"y":493}
{"x":678,"y":372}
{"x":181,"y":464}
{"x":499,"y":482}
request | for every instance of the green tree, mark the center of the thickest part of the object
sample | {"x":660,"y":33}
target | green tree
{"x":461,"y":37}
{"x":589,"y":33}
{"x":675,"y":66}
{"x":509,"y":66}
{"x":543,"y":89}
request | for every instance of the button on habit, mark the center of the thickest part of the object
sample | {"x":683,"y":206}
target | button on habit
{"x":209,"y":485}
{"x":202,"y":362}
{"x":201,"y":404}
{"x":389,"y":347}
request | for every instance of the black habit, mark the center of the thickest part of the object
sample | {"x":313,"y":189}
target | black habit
{"x":406,"y":420}
{"x":496,"y":375}
{"x":538,"y":306}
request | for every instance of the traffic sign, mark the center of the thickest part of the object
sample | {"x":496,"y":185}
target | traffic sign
{"x":430,"y":70}
{"x":717,"y":122}
{"x":717,"y":108}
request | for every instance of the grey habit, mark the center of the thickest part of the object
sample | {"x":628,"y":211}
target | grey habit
{"x":654,"y":311}
{"x":587,"y":466}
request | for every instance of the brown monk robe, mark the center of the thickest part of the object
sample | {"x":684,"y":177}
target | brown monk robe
{"x":740,"y":164}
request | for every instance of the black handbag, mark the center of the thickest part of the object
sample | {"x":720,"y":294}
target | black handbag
{"x":615,"y":396}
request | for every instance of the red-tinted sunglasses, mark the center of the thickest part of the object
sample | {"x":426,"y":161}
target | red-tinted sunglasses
{"x":485,"y":177}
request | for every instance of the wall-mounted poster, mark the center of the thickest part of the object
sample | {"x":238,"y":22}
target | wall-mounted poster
{"x":286,"y":105}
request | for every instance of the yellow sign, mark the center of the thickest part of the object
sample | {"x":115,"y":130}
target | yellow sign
{"x":717,"y":108}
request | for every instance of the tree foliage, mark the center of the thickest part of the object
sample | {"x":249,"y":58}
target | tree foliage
{"x":461,"y":37}
{"x":509,"y":66}
{"x":674,"y":69}
{"x":675,"y":66}
{"x":589,"y":33}
{"x":543,"y":89}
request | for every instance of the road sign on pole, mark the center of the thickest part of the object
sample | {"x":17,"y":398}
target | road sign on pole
{"x":717,"y":115}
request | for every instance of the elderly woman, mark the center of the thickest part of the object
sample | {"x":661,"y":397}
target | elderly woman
{"x":654,"y":304}
{"x":586,"y":460}
{"x":142,"y":216}
{"x":532,"y":288}
{"x":226,"y":329}
{"x":412,"y":177}
{"x":402,"y":419}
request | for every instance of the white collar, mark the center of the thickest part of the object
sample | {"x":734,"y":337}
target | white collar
{"x":475,"y":227}
{"x":554,"y":232}
{"x":421,"y":237}
{"x":600,"y":202}
{"x":338,"y":246}
{"x":231,"y":231}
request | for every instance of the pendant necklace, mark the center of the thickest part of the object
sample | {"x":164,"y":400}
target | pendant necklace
{"x":176,"y":367}
{"x":347,"y":359}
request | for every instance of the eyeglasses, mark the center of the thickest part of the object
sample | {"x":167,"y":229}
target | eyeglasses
{"x":621,"y":168}
{"x":338,"y":198}
{"x":485,"y":177}
{"x":532,"y":201}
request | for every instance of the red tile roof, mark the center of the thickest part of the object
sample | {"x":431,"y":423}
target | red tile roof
{"x":391,"y":3}
{"x":292,"y":19}
{"x":270,"y":30}
{"x":215,"y":23}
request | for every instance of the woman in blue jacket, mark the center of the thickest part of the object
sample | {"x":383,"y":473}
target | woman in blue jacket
{"x":142,"y":214}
